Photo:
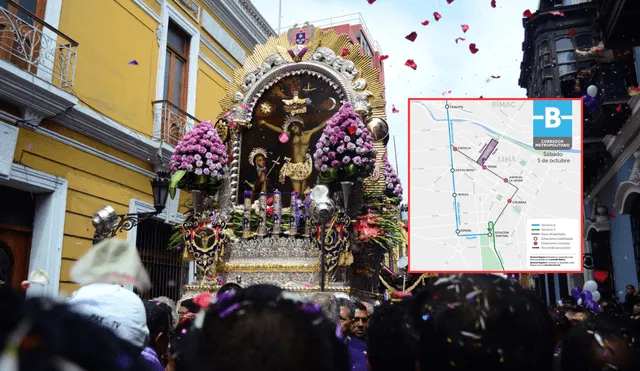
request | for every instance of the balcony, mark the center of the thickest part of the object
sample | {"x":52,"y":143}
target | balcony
{"x":613,"y":81}
{"x":618,"y":20}
{"x":171,"y":121}
{"x":34,"y":46}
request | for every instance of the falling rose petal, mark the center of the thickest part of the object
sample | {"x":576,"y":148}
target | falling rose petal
{"x":133,"y":62}
{"x":556,"y":13}
{"x":473,"y":48}
{"x":345,"y":52}
{"x":527,"y":14}
{"x":449,"y":1}
{"x":613,"y":214}
{"x":493,"y":3}
{"x":446,"y":92}
{"x":495,"y":76}
{"x":371,"y":1}
{"x":411,"y":64}
{"x":619,"y":108}
{"x":394,"y":109}
{"x":384,"y":57}
{"x":203,"y":299}
{"x":465,"y":28}
{"x":25,"y":285}
{"x":425,"y":22}
{"x":437,"y":16}
{"x":572,"y":31}
{"x":460,"y":39}
{"x":481,"y":97}
{"x":412,"y":36}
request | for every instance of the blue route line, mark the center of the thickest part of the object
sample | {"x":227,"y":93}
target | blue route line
{"x":472,"y":235}
{"x":453,"y":177}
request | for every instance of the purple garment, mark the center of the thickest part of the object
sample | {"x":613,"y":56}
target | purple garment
{"x":151,"y":359}
{"x":358,"y":354}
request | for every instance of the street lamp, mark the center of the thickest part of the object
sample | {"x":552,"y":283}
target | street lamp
{"x":108,"y":223}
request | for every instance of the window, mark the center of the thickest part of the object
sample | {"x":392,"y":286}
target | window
{"x":167,"y":271}
{"x":549,"y":89}
{"x":15,"y":20}
{"x":176,"y":67}
{"x":366,"y":49}
{"x":565,"y":55}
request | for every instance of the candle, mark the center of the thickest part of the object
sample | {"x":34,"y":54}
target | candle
{"x":246,"y":217}
{"x":294,"y":218}
{"x":262,"y":210}
{"x":307,"y":213}
{"x":277,"y":212}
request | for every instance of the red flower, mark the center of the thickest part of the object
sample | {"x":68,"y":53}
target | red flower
{"x":352,"y":129}
{"x":203,"y":299}
{"x":270,"y":210}
{"x":270,"y":201}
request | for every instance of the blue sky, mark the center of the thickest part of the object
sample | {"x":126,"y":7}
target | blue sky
{"x":443,"y":65}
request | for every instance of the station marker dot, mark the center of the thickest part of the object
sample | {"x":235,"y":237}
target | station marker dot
{"x":509,"y":201}
{"x":455,"y":195}
{"x":484,"y":167}
{"x":457,"y":231}
{"x":506,"y":180}
{"x":489,"y":234}
{"x":535,"y":243}
{"x":455,"y":148}
{"x":446,"y":106}
{"x":453,"y":170}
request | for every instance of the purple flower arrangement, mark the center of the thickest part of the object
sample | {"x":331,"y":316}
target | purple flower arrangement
{"x":344,"y":149}
{"x":199,"y":159}
{"x":393,"y":186}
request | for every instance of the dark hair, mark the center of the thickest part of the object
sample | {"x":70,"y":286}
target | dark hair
{"x":190,"y":305}
{"x":391,"y":341}
{"x":482,"y":321}
{"x":228,"y":287}
{"x":262,"y":328}
{"x":159,"y":319}
{"x":343,"y":302}
{"x":602,"y":343}
{"x":359,"y":306}
{"x":54,"y":334}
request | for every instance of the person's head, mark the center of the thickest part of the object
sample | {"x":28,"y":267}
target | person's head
{"x":329,"y":305}
{"x":630,"y":289}
{"x":360,"y":321}
{"x":391,"y":341}
{"x":188,"y":306}
{"x":159,"y":322}
{"x":47,"y":335}
{"x":228,"y":287}
{"x":481,"y":322}
{"x":296,"y":128}
{"x":261,"y":161}
{"x":113,"y":307}
{"x":264,"y":328}
{"x":600,"y":344}
{"x":347,"y":312}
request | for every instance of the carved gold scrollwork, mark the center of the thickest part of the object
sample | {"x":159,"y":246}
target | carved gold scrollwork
{"x":336,"y":241}
{"x":205,"y":241}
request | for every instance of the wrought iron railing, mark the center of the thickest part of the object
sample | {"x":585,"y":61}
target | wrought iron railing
{"x":174,"y":122}
{"x":31,"y":44}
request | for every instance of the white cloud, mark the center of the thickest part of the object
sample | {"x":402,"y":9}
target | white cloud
{"x":442,"y":64}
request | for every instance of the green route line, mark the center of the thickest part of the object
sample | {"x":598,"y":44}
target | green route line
{"x":491,"y":230}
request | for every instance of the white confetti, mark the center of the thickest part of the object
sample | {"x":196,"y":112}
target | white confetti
{"x":470,"y":335}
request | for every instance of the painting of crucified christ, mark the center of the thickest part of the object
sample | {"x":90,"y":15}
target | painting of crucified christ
{"x":288,"y":120}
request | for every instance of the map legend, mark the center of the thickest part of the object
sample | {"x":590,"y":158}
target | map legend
{"x":553,"y":246}
{"x":495,"y":185}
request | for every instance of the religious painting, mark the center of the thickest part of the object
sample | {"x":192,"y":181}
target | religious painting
{"x":288,"y":120}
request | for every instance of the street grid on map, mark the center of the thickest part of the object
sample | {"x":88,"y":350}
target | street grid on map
{"x":476,"y":180}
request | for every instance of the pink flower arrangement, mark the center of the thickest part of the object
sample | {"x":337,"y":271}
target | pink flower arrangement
{"x":345,"y":146}
{"x":393,"y":185}
{"x":199,"y":153}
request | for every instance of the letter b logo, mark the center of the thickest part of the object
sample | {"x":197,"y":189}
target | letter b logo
{"x":552,"y":117}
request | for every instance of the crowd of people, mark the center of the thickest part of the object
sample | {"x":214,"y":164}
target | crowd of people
{"x":461,"y":322}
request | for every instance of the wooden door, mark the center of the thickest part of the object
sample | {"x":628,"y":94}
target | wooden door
{"x":15,"y":248}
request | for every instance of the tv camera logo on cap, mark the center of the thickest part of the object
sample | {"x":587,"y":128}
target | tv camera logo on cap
{"x":552,"y":124}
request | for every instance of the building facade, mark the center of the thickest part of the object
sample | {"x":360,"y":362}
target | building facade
{"x":93,"y":96}
{"x":589,"y":45}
